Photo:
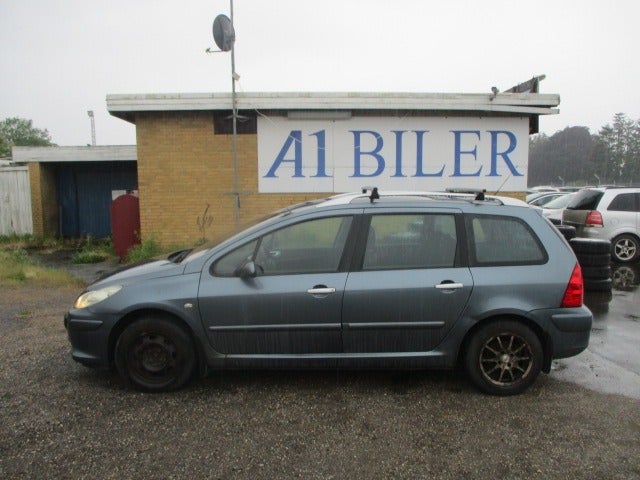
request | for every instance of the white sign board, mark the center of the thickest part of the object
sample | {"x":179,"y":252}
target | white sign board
{"x":410,"y":153}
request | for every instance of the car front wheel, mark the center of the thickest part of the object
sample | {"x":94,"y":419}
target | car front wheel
{"x":625,"y":249}
{"x":503,"y":358}
{"x":155,"y":355}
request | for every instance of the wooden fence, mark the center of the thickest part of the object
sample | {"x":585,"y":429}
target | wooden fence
{"x":15,"y":201}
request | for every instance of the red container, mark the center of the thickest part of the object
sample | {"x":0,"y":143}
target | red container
{"x":125,"y":223}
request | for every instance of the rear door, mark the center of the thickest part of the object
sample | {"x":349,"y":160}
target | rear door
{"x":409,"y":285}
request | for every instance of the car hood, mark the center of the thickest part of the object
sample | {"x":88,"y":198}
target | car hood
{"x":139,"y":272}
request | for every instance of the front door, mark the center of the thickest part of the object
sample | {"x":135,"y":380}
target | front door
{"x":293,"y":303}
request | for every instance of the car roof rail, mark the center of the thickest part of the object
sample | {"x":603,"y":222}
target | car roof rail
{"x":478,"y":192}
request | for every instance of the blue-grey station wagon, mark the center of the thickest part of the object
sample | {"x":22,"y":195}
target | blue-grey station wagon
{"x":401,"y":280}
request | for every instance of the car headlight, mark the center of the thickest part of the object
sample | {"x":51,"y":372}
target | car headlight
{"x":95,"y":296}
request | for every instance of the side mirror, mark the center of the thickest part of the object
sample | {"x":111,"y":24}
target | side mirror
{"x":246,"y":270}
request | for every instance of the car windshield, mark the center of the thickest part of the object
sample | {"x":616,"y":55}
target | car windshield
{"x":560,"y":202}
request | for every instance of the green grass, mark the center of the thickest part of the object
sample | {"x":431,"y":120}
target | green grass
{"x":94,"y":251}
{"x":148,"y":249}
{"x":16,"y":268}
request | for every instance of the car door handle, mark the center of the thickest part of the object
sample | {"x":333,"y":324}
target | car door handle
{"x":321,"y":290}
{"x":449,"y":286}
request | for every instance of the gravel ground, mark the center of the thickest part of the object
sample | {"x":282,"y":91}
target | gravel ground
{"x":61,"y":420}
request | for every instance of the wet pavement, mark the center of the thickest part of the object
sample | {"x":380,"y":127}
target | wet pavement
{"x":611,"y":364}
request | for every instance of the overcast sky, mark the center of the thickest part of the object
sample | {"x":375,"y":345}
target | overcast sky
{"x":61,"y":58}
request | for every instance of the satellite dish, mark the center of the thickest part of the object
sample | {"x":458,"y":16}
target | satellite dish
{"x":223,"y":33}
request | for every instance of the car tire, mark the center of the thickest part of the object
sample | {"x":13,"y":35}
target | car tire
{"x":503,"y":357}
{"x":567,"y":231}
{"x":590,"y":245}
{"x":155,"y":354}
{"x":596,"y":272}
{"x":598,"y":284}
{"x":625,"y":249}
{"x":594,"y":259}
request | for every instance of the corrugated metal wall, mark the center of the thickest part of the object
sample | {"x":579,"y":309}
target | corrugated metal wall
{"x":84,"y":195}
{"x":15,"y":201}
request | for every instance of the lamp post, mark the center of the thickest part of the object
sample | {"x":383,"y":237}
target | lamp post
{"x":225,"y":37}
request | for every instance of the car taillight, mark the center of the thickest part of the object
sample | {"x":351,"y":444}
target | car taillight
{"x":574,"y":293}
{"x":594,"y":219}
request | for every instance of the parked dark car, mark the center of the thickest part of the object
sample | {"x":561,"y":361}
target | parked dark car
{"x":396,"y":280}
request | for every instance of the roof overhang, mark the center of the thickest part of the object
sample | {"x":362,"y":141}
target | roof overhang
{"x":105,"y":153}
{"x":516,"y":104}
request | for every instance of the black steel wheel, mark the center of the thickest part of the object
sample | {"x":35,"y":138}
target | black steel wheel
{"x":504,"y":358}
{"x":155,"y":355}
{"x":625,"y":249}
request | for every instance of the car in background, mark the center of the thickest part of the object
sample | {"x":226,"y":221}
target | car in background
{"x":610,"y":213}
{"x":544,"y":198}
{"x":553,"y":209}
{"x":371,"y":279}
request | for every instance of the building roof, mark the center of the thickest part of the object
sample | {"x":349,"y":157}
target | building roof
{"x":531,"y":104}
{"x":104,"y":153}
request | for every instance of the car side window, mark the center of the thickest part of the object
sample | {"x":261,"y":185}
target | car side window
{"x":227,"y":265}
{"x":497,"y":240}
{"x":625,"y":202}
{"x":312,"y":246}
{"x":402,"y":241}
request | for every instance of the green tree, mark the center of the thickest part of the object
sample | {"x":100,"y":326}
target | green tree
{"x":620,"y":142}
{"x":20,"y":132}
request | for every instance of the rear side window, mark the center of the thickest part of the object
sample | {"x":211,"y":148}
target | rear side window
{"x":625,"y":202}
{"x":497,"y":240}
{"x":407,"y":241}
{"x":585,"y":200}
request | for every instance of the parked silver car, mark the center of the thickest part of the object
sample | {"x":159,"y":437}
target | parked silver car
{"x":610,"y":213}
{"x":365,"y":280}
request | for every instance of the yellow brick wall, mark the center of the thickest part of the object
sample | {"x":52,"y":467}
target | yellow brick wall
{"x":43,"y":200}
{"x":183,"y":167}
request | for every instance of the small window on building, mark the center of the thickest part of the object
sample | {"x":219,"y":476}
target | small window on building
{"x":223,"y":123}
{"x":503,"y":241}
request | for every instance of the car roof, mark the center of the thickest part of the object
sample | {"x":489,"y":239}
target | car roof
{"x":468,"y":196}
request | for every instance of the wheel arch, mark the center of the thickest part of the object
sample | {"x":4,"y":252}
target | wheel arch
{"x":545,"y":339}
{"x":134,"y":315}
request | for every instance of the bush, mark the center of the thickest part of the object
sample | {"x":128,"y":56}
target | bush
{"x":146,"y":250}
{"x":94,"y":251}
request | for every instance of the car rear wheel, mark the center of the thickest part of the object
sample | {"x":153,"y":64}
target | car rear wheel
{"x":503,"y":358}
{"x":155,"y":355}
{"x":625,"y":249}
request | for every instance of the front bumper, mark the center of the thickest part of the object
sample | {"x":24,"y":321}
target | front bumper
{"x":89,"y":337}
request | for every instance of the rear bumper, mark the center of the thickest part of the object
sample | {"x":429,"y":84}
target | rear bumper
{"x":569,"y":331}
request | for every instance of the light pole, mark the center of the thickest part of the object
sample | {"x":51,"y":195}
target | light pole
{"x":225,"y":36}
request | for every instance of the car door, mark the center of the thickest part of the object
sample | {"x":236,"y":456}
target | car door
{"x":293,"y":303}
{"x":410,"y":285}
